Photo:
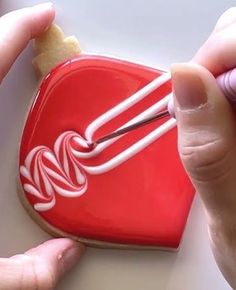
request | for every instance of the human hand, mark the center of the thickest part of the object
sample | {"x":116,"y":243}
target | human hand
{"x":41,"y":267}
{"x":207,"y":137}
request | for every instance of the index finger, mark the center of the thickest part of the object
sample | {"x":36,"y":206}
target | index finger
{"x":218,"y":53}
{"x":17,"y":28}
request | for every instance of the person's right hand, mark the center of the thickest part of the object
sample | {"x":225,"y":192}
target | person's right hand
{"x":207,"y":137}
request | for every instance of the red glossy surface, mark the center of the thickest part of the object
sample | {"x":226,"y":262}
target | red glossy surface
{"x":145,"y":200}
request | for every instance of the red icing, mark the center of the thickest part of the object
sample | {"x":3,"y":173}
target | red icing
{"x":145,"y":200}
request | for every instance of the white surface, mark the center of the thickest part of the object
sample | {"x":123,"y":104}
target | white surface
{"x":154,"y":32}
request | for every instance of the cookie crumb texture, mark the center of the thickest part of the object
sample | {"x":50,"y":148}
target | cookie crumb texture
{"x":53,"y":47}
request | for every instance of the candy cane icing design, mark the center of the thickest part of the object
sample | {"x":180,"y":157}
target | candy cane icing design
{"x":61,"y":170}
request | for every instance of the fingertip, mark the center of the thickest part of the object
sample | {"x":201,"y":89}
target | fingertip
{"x":70,"y":257}
{"x":188,"y":87}
{"x":60,"y":254}
{"x":18,"y":27}
{"x":186,"y":68}
{"x":45,"y":14}
{"x":226,"y":19}
{"x":61,"y":245}
{"x":68,"y":254}
{"x":199,"y":102}
{"x":46,"y":5}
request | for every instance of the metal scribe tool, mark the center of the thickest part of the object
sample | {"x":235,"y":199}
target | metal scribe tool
{"x":226,"y":82}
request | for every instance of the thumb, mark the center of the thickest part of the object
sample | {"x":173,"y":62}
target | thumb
{"x":41,"y":267}
{"x":206,"y":132}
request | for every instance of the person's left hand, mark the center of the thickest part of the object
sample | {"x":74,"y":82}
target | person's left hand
{"x":41,"y":267}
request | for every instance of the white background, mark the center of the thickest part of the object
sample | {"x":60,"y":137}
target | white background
{"x":157,"y":33}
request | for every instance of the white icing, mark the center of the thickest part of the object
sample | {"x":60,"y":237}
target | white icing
{"x":125,"y":105}
{"x":148,"y":112}
{"x":45,"y":206}
{"x":60,"y":171}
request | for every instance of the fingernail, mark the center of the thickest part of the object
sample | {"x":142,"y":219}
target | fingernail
{"x":188,"y":87}
{"x":71,"y":256}
{"x":44,"y":6}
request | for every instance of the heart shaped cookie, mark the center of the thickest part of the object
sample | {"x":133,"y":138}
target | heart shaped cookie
{"x":129,"y":191}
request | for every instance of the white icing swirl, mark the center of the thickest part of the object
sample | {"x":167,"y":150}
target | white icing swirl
{"x":60,"y":171}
